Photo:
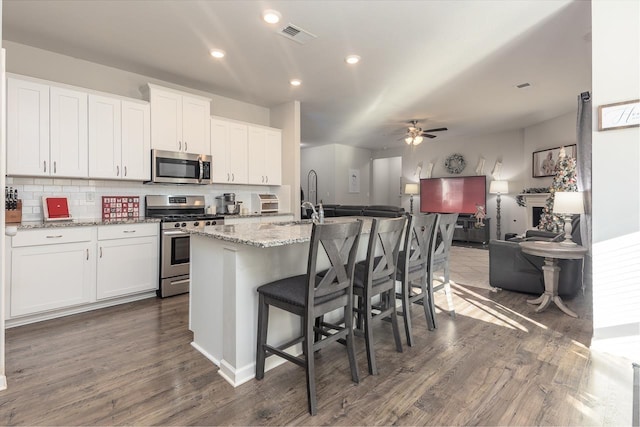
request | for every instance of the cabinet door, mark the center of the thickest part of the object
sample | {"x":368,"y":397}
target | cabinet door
{"x":136,"y":141}
{"x":27,"y":128}
{"x":127,"y":266}
{"x":105,"y":154}
{"x":257,"y":153}
{"x":195,"y":125}
{"x":166,"y":120}
{"x":69,"y":136}
{"x":273,"y":157}
{"x":237,"y":153}
{"x":50,"y":277}
{"x":219,"y":150}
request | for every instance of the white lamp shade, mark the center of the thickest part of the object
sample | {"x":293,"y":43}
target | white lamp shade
{"x":411,"y":189}
{"x":499,"y":187}
{"x":568,"y":202}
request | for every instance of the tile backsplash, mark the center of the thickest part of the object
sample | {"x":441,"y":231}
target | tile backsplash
{"x":85,"y":195}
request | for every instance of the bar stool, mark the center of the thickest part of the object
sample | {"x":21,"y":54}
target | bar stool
{"x":312,"y":295}
{"x":439,"y":261}
{"x":376,"y":277}
{"x":411,"y":270}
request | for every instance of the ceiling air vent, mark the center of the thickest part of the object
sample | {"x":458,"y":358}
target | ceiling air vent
{"x":296,"y":34}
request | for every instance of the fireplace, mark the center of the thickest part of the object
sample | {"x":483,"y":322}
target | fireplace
{"x":534,"y":204}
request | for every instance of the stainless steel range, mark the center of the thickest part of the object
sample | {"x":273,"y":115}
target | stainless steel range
{"x":177,"y":213}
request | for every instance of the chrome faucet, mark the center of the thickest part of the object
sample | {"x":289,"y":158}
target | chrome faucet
{"x":314,"y":215}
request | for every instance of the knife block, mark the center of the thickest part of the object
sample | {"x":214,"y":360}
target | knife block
{"x":14,"y":216}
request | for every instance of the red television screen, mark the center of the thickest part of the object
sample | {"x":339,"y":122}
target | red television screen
{"x":459,"y":194}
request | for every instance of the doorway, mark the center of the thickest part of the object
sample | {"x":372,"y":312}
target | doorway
{"x":386,"y":188}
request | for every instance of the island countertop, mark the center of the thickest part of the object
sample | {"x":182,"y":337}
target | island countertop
{"x":269,"y":235}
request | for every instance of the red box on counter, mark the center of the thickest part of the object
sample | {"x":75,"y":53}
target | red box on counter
{"x":120,"y":207}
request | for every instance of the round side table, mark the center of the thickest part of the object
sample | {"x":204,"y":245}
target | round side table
{"x":552,"y":252}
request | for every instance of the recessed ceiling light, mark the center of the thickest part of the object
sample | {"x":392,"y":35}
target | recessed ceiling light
{"x":217,"y":53}
{"x":352,"y":59}
{"x":271,"y":16}
{"x":295,"y":82}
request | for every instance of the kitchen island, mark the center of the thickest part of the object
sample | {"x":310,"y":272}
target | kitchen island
{"x":228,"y":264}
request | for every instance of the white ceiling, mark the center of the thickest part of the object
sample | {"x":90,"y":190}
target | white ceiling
{"x":447,"y":63}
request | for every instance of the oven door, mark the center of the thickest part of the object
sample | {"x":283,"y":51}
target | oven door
{"x":174,"y":254}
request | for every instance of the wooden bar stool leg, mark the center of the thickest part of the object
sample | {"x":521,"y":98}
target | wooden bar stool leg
{"x":406,"y":311}
{"x":310,"y":366}
{"x":368,"y":337}
{"x":263,"y":320}
{"x":394,"y":321}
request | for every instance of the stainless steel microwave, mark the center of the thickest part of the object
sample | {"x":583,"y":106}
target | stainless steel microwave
{"x":180,"y":168}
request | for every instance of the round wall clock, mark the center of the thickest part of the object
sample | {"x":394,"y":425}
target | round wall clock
{"x":455,"y":163}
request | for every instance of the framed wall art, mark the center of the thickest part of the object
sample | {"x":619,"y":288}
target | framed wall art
{"x":620,"y":115}
{"x":544,"y":161}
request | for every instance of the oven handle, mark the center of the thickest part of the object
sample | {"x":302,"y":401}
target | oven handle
{"x":173,"y":233}
{"x":180,"y":282}
{"x":201,"y":167}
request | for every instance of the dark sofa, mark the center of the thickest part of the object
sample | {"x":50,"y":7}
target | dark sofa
{"x":512,"y":269}
{"x":332,"y":210}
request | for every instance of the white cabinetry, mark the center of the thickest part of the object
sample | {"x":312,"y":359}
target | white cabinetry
{"x":179,"y":121}
{"x":229,"y":151}
{"x":46,"y":130}
{"x":127,"y":260}
{"x":119,"y":138}
{"x":265,"y":156}
{"x":51,"y":269}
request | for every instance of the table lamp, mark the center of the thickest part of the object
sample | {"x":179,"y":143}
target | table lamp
{"x":411,"y":189}
{"x":498,"y":187}
{"x":565,"y":204}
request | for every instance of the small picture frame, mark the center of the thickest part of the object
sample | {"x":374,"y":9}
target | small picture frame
{"x":619,"y":115}
{"x":544,"y":161}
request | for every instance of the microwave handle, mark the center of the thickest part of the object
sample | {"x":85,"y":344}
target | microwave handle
{"x":201,"y":168}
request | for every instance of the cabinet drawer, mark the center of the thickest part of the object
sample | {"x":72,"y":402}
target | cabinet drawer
{"x":51,"y":236}
{"x":125,"y":231}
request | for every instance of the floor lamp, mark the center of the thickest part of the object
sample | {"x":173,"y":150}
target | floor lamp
{"x":411,"y":189}
{"x":498,"y":187}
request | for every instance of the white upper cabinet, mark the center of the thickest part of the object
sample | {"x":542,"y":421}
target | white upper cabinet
{"x":27,"y":128}
{"x":136,"y":141}
{"x":265,"y":156}
{"x":119,"y":138}
{"x":68,"y":138}
{"x":229,"y":151}
{"x":46,"y":130}
{"x":179,"y":121}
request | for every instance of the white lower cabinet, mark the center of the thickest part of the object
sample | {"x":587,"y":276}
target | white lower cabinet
{"x":51,"y":269}
{"x":127,"y":264}
{"x":59,"y":271}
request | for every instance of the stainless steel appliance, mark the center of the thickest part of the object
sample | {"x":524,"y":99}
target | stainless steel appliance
{"x":180,"y":168}
{"x":177,"y":213}
{"x":227,"y":204}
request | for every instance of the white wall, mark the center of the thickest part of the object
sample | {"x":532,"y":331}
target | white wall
{"x":287,"y":118}
{"x":616,"y":181}
{"x":321,"y":160}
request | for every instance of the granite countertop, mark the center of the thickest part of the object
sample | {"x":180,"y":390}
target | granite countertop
{"x":255,"y":215}
{"x":269,"y":235}
{"x":85,"y":222}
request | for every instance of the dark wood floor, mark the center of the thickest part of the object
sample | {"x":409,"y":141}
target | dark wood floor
{"x":496,"y":363}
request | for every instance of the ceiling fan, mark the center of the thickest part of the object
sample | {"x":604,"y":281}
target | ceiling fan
{"x":415,"y":134}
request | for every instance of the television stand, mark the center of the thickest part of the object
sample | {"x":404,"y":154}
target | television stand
{"x":466,"y":230}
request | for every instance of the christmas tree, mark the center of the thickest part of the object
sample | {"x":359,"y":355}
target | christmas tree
{"x":564,"y":180}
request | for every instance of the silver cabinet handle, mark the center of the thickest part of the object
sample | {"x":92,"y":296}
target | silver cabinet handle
{"x":266,"y":177}
{"x":117,"y":170}
{"x":185,"y":146}
{"x":179,"y":145}
{"x":233,"y":177}
{"x":45,"y":165}
{"x":125,"y":171}
{"x":87,"y":254}
{"x":100,"y":251}
{"x":54,"y":167}
{"x":228,"y":177}
{"x":57,"y":236}
{"x":129,"y":231}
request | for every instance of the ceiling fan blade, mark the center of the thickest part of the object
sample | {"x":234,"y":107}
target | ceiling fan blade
{"x":427,"y":135}
{"x":435,"y":130}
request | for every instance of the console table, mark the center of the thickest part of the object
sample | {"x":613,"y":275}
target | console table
{"x":552,"y":252}
{"x":466,"y":230}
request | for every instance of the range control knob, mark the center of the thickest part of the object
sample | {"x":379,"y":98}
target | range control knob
{"x":195,"y":224}
{"x":184,"y":224}
{"x":207,"y":223}
{"x":176,"y":225}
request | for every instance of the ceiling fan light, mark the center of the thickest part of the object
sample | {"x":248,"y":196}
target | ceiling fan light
{"x":417,"y":140}
{"x":408,"y":140}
